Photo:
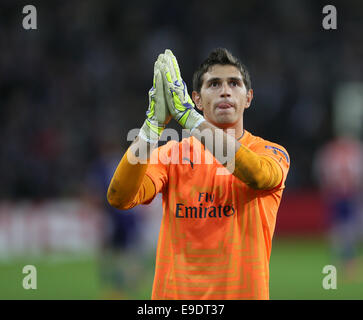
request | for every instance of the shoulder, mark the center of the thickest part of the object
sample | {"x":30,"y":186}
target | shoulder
{"x":265,"y":146}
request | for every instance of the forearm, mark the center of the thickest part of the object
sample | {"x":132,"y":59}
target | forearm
{"x":129,"y":185}
{"x":259,"y":172}
{"x":223,"y":146}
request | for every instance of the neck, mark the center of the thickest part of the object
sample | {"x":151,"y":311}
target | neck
{"x":237,"y":130}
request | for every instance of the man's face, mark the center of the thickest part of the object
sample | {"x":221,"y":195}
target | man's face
{"x":223,"y":96}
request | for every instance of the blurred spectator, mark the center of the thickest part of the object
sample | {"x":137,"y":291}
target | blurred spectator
{"x":339,"y":169}
{"x":63,"y":85}
{"x":122,"y":232}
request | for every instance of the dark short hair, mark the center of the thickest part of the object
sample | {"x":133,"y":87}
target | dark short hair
{"x":224,"y":57}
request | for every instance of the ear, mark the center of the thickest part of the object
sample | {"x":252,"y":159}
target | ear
{"x":197,"y":100}
{"x":249,"y":98}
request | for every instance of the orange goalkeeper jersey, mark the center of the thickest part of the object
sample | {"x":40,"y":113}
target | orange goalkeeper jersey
{"x":216,"y":232}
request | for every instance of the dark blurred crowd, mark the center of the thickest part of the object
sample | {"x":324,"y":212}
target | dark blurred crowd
{"x":71,"y":90}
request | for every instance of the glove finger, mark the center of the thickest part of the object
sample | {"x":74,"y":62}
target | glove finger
{"x":159,"y":63}
{"x":160,"y":72}
{"x":157,"y":67}
{"x":169,"y":64}
{"x":173,"y":64}
{"x":151,"y":110}
{"x":161,"y":110}
{"x":153,"y":87}
{"x":159,"y":60}
{"x":177,"y":104}
{"x":165,"y":72}
{"x":158,"y":82}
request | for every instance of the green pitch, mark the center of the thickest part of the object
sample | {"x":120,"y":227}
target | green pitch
{"x":57,"y":278}
{"x":296,"y":272}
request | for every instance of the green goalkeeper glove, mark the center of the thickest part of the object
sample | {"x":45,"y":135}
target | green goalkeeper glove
{"x":180,"y":104}
{"x":158,"y":114}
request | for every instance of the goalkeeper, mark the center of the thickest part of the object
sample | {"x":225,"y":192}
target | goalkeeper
{"x":216,"y":231}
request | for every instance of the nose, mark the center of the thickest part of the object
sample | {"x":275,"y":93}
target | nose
{"x":225,"y":90}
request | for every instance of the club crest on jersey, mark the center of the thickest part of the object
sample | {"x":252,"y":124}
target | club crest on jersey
{"x":275,"y":150}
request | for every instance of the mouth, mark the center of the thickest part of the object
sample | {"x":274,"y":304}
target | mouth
{"x":224,"y":106}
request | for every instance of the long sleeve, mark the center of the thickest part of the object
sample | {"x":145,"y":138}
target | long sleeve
{"x":130,"y":186}
{"x":258,"y":171}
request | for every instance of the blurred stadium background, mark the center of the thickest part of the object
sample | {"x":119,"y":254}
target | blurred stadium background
{"x":71,"y":90}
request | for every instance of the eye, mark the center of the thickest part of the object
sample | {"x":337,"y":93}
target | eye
{"x":234,"y":83}
{"x":214,"y":84}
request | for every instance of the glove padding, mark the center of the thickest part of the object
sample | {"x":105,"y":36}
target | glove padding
{"x":157,"y":115}
{"x":180,"y":104}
